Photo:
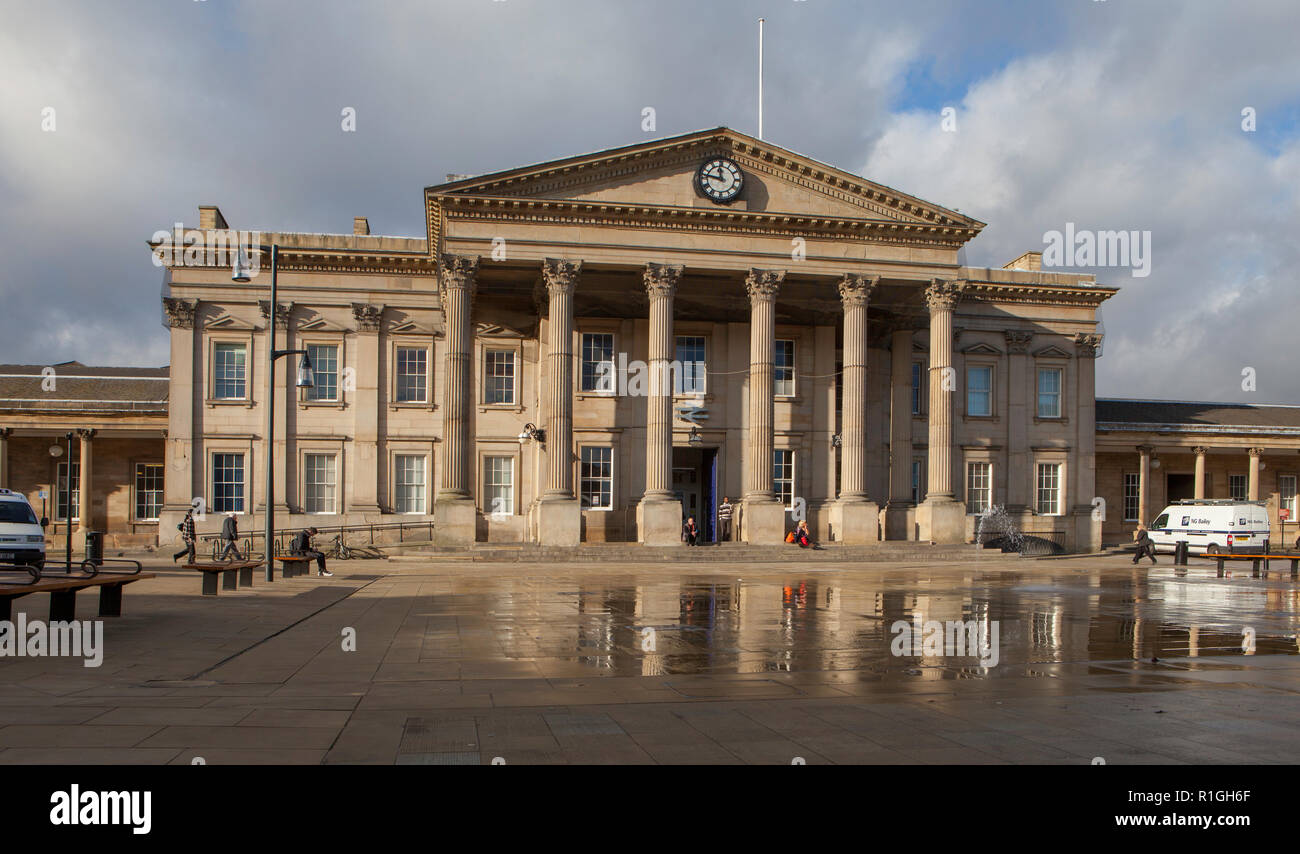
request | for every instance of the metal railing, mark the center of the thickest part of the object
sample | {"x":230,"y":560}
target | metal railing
{"x":282,"y":536}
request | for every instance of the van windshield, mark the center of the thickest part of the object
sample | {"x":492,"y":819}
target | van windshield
{"x":1161,"y":521}
{"x":17,"y":511}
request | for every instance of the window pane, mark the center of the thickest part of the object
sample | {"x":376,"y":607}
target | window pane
{"x":499,"y":377}
{"x":979,"y":391}
{"x":320,"y":482}
{"x":916,"y":388}
{"x":783,"y":367}
{"x":691,"y":373}
{"x":229,"y":371}
{"x":1049,"y":393}
{"x":1049,"y":482}
{"x":1237,"y":487}
{"x":325,"y":363}
{"x":148,"y":490}
{"x":498,"y":485}
{"x":783,"y":476}
{"x":228,"y":483}
{"x":1132,"y":490}
{"x":1286,"y":490}
{"x":597,"y":361}
{"x":597,"y":478}
{"x":978,"y":486}
{"x":62,"y":489}
{"x":412,"y":374}
{"x":408,"y":489}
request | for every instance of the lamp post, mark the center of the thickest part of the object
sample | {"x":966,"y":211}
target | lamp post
{"x":306,"y":379}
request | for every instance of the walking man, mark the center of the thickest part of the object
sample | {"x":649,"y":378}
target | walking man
{"x":301,"y":545}
{"x":1145,"y":548}
{"x":724,"y":520}
{"x":230,"y":536}
{"x":186,"y":527}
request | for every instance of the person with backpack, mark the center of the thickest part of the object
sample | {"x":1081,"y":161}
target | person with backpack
{"x":186,"y":527}
{"x":1145,"y":547}
{"x":301,"y":545}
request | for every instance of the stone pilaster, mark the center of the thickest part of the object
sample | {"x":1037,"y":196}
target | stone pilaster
{"x":1252,"y":483}
{"x":659,"y":513}
{"x":454,"y":513}
{"x":763,"y":518}
{"x":942,"y":519}
{"x":1019,"y":401}
{"x":1199,"y":488}
{"x":182,"y":448}
{"x":366,"y":459}
{"x":85,"y":481}
{"x":1083,"y":474}
{"x":855,"y":517}
{"x":1144,"y":483}
{"x":560,"y":516}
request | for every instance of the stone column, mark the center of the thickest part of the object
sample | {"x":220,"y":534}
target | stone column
{"x":1199,"y":492}
{"x":942,"y":519}
{"x":85,"y":481}
{"x":455,"y":516}
{"x":659,"y":515}
{"x":855,"y":516}
{"x":5,"y":433}
{"x":763,"y":519}
{"x":366,"y":462}
{"x":897,"y":526}
{"x":1144,"y":483}
{"x":182,"y":449}
{"x":1019,"y":401}
{"x":560,"y":516}
{"x":286,"y":410}
{"x":1252,"y":484}
{"x":1083,"y":471}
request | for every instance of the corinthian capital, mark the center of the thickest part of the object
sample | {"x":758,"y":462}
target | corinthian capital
{"x":458,"y":271}
{"x":855,"y":289}
{"x":1087,"y":345}
{"x":942,"y":294}
{"x":180,"y":312}
{"x":763,"y":285}
{"x":560,"y":275}
{"x":1018,"y":340}
{"x":367,"y":315}
{"x":282,"y":312}
{"x":661,"y":279}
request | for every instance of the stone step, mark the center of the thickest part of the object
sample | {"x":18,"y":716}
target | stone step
{"x":725,"y":552}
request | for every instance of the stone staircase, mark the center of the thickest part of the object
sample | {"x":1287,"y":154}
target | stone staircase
{"x":886,"y":552}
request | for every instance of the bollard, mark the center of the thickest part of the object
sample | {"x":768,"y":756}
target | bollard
{"x":1180,"y":553}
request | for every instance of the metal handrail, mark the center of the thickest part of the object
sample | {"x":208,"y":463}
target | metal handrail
{"x":280,"y":548}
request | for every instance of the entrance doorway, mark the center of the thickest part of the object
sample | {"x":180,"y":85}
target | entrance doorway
{"x":695,"y":484}
{"x":1180,"y":486}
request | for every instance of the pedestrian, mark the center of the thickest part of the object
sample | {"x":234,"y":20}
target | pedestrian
{"x":186,"y":527}
{"x":691,"y":531}
{"x":803,"y":536}
{"x":302,"y":545}
{"x":230,"y":536}
{"x":1145,"y":547}
{"x":724,"y":520}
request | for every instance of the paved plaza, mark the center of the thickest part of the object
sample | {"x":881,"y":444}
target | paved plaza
{"x":425,"y":661}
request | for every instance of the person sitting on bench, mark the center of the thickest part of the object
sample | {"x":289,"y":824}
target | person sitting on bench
{"x":301,"y":546}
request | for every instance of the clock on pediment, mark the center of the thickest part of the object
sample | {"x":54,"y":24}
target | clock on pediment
{"x":720,"y":179}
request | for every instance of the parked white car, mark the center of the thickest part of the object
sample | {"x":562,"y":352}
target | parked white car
{"x":22,"y":540}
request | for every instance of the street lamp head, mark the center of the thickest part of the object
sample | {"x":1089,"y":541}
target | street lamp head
{"x":241,"y":272}
{"x":306,"y":376}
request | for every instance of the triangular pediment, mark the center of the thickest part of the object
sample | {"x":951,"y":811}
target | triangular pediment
{"x":321,"y":324}
{"x":230,"y":323}
{"x":1051,"y":352}
{"x":662,"y":174}
{"x":982,"y":350}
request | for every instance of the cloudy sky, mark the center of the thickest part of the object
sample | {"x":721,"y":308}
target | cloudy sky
{"x":1109,"y":114}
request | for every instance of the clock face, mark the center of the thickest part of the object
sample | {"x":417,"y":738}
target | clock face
{"x":720,"y":179}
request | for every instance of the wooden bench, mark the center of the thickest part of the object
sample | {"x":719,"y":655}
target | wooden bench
{"x":295,"y":565}
{"x":233,"y":575}
{"x":1256,"y":558}
{"x":63,"y":593}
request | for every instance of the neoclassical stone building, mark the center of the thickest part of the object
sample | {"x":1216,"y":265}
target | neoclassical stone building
{"x":827,"y":357}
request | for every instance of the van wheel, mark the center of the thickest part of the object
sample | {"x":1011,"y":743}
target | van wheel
{"x":1212,"y":549}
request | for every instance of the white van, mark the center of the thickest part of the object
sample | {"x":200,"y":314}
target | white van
{"x":22,"y":540}
{"x":1210,"y":525}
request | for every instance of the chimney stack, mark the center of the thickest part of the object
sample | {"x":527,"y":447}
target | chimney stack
{"x":1032,"y":261}
{"x":210,"y":217}
{"x":360,"y":225}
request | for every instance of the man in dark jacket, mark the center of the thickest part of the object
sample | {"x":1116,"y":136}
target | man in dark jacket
{"x":301,"y":545}
{"x":1144,"y":545}
{"x":186,"y":528}
{"x":230,"y":536}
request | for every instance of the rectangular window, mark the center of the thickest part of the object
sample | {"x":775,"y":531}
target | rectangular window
{"x":408,"y":483}
{"x":979,"y":390}
{"x":227,"y":483}
{"x":325,"y":364}
{"x":499,"y":376}
{"x":62,"y":489}
{"x":690,"y":355}
{"x":783,"y":476}
{"x":597,"y":488}
{"x":320,"y":481}
{"x":783,"y":368}
{"x":1049,"y":489}
{"x":1132,"y":495}
{"x":1237,"y":487}
{"x":916,"y":388}
{"x":1049,"y":392}
{"x":979,"y":487}
{"x":1286,"y":493}
{"x":412,"y":375}
{"x":148,"y":491}
{"x":499,"y":486}
{"x":229,"y":371}
{"x":916,"y":481}
{"x":598,"y":361}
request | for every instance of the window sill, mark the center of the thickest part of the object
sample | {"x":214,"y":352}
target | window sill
{"x":224,"y":401}
{"x":322,"y":404}
{"x":596,"y":395}
{"x":991,"y":419}
{"x":413,"y":405}
{"x":1039,"y":419}
{"x":500,"y":407}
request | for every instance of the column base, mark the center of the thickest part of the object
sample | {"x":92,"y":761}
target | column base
{"x":856,"y":522}
{"x":896,"y":520}
{"x":942,"y":521}
{"x":659,"y":522}
{"x":559,"y":522}
{"x":454,"y":522}
{"x":763,"y":522}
